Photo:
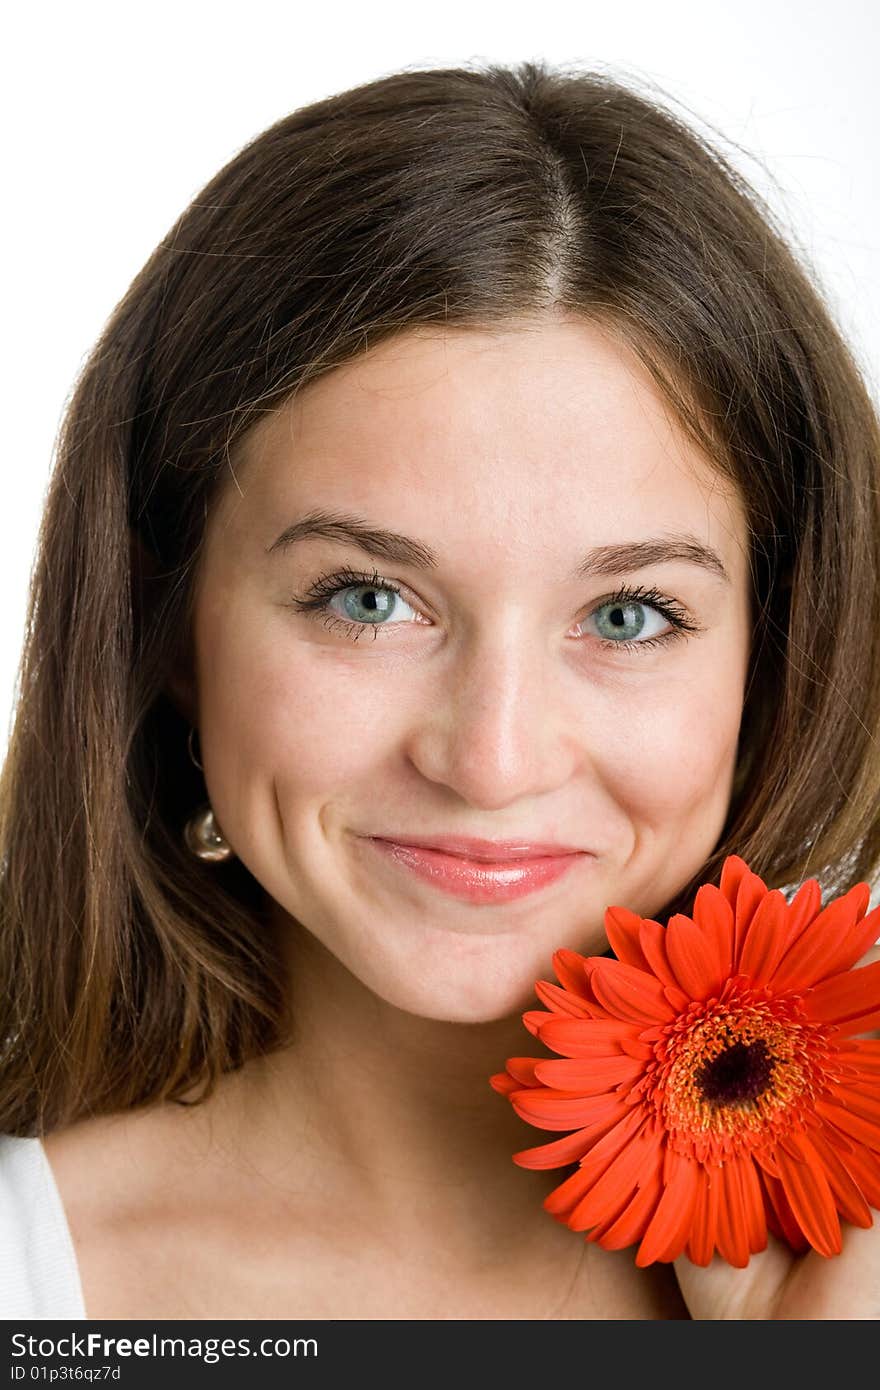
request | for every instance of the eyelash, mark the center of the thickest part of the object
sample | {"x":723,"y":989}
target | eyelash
{"x":317,"y":599}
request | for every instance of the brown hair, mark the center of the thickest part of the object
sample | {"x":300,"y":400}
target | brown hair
{"x":131,"y":972}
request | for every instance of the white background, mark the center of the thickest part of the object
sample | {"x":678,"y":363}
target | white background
{"x":116,"y":115}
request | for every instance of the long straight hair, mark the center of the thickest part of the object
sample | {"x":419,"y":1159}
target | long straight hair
{"x":131,"y":972}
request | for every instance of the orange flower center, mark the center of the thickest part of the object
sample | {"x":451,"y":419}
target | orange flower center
{"x":732,"y":1074}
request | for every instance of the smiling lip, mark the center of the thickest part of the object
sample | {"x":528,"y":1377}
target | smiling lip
{"x":484,"y":851}
{"x":481,"y":880}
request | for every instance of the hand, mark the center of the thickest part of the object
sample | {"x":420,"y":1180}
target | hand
{"x":777,"y":1284}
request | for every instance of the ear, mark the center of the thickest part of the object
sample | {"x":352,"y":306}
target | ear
{"x":180,"y":684}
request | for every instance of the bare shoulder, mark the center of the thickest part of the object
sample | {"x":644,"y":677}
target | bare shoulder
{"x":106,"y":1164}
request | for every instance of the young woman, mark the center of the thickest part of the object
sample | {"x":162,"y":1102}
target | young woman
{"x":471,"y":477}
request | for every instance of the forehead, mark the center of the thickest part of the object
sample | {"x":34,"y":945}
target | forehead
{"x":544,"y":435}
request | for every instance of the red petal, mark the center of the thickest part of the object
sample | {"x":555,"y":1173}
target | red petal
{"x":569,"y":968}
{"x":633,"y":1221}
{"x":533,"y":1018}
{"x":785,"y":1217}
{"x":588,"y":1075}
{"x":766,"y":938}
{"x":667,"y":1233}
{"x":857,"y":1101}
{"x":748,"y":891}
{"x":807,"y":1189}
{"x":522,"y":1069}
{"x":847,"y":1194}
{"x":714,"y":916}
{"x":543,"y":1155}
{"x":732,"y":1234}
{"x":833,"y":942}
{"x":753,"y":1201}
{"x":701,"y":1242}
{"x":652,"y":938}
{"x":691,"y":953}
{"x":860,"y":1162}
{"x":565,"y":1197}
{"x":552,"y":1110}
{"x":559,"y":1001}
{"x":628,"y":993}
{"x":568,"y":1149}
{"x":733,"y":871}
{"x":612,"y":1192}
{"x":854,"y":1126}
{"x":503,"y":1084}
{"x":861,"y":1053}
{"x":594,"y":1164}
{"x":804,"y":906}
{"x":846,"y":998}
{"x":622,"y":929}
{"x":586,"y":1038}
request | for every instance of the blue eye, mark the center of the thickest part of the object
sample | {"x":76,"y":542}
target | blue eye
{"x":367,"y":600}
{"x":624,"y":620}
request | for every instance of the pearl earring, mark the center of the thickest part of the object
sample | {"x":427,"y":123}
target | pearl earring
{"x":201,"y":833}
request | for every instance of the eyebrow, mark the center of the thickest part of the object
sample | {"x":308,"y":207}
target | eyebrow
{"x":387,"y":545}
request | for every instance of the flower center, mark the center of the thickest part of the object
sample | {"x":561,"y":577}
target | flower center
{"x":733,"y":1073}
{"x":742,"y":1072}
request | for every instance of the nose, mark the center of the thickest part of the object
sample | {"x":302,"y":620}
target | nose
{"x":502,"y":724}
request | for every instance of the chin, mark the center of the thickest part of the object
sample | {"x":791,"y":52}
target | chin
{"x":487,"y":1000}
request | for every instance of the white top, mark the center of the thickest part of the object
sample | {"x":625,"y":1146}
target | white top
{"x":39,"y":1275}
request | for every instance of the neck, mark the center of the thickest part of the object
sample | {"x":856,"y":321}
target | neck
{"x":397,"y":1107}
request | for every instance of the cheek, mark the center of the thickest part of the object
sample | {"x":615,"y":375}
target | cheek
{"x":288,"y":711}
{"x":676,"y":750}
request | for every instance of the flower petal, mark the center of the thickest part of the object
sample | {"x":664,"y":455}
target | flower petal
{"x":533,"y":1018}
{"x":848,"y":1196}
{"x":694,"y":960}
{"x":854,"y":1126}
{"x":733,"y":871}
{"x":859,"y":1161}
{"x":652,"y":939}
{"x":701,"y":1242}
{"x":732,"y":1231}
{"x":503,"y":1084}
{"x":559,"y":1001}
{"x":562,"y":1201}
{"x":714,"y":916}
{"x":633,"y":1221}
{"x":589,"y":1075}
{"x":831,"y":943}
{"x":611,"y":1194}
{"x":622,"y":929}
{"x":569,"y":969}
{"x":669,"y":1227}
{"x":846,"y":998}
{"x":807,"y":1189}
{"x":522,"y":1069}
{"x":804,"y":906}
{"x":744,"y":891}
{"x":628,"y":993}
{"x":568,"y":1149}
{"x":588,"y":1135}
{"x":586,"y":1038}
{"x":785,"y":1217}
{"x":765,"y":939}
{"x":555,"y":1110}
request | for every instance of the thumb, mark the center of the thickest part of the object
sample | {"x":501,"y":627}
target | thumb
{"x":719,"y":1291}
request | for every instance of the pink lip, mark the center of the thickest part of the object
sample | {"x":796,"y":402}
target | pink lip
{"x":487,"y":851}
{"x":480,"y":881}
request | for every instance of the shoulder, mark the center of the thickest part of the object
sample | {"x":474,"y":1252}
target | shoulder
{"x":38,"y":1271}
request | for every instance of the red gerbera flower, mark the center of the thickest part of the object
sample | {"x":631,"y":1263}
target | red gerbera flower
{"x":711,"y":1075}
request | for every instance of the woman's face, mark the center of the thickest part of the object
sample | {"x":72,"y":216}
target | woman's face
{"x":508,"y":691}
